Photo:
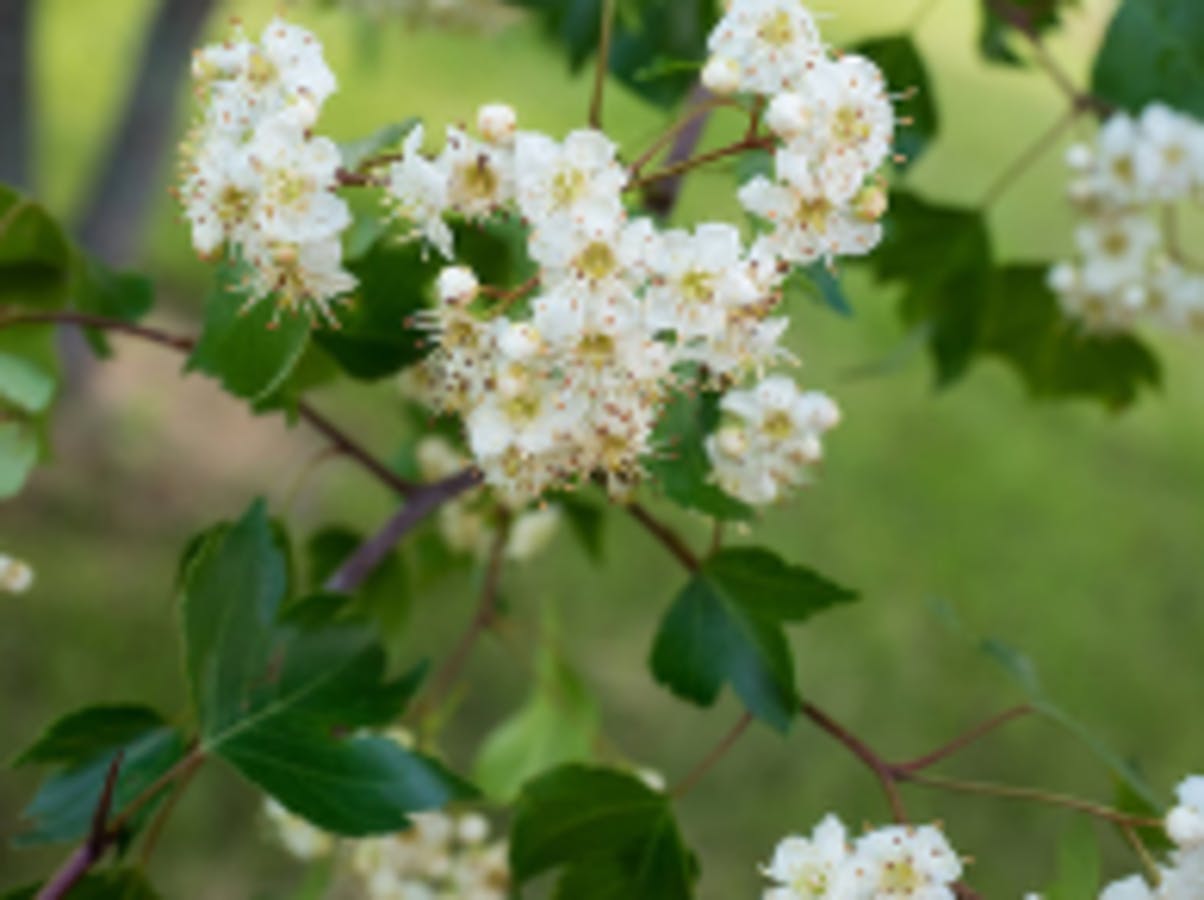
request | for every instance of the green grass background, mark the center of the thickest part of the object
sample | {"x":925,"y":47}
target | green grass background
{"x":1065,"y":531}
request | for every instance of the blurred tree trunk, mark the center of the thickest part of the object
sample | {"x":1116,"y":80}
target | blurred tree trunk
{"x":16,"y":132}
{"x":115,"y":211}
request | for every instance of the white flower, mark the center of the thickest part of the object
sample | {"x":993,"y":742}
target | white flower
{"x":457,"y":285}
{"x":16,"y":576}
{"x":904,"y":861}
{"x":480,"y":175}
{"x":1185,"y":823}
{"x":772,"y":43}
{"x":805,"y":868}
{"x":1131,"y":888}
{"x":497,"y":122}
{"x":569,"y":181}
{"x":418,"y":189}
{"x":1168,"y":155}
{"x":771,"y":436}
{"x":300,"y":838}
{"x":531,"y":532}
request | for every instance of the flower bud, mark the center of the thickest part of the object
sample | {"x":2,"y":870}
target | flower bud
{"x":721,"y":76}
{"x":458,"y":286}
{"x":497,"y":122}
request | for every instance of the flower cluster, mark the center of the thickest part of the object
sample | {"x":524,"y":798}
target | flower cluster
{"x":1126,"y":189}
{"x":1183,"y":878}
{"x":468,"y":524}
{"x":255,"y":180}
{"x":16,"y":576}
{"x":442,"y":857}
{"x":835,"y":120}
{"x":893,"y":862}
{"x":565,"y":378}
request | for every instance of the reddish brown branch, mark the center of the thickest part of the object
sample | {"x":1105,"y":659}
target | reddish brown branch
{"x":667,"y":536}
{"x":961,"y":742}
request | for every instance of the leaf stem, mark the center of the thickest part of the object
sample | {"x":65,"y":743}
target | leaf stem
{"x":482,"y":620}
{"x":603,"y":63}
{"x":726,"y":743}
{"x":667,"y":536}
{"x":964,"y":740}
{"x":419,"y":504}
{"x":343,"y":442}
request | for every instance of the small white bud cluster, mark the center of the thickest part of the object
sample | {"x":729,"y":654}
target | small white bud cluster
{"x":893,"y":862}
{"x":769,"y":439}
{"x":1183,"y":877}
{"x":254,"y":177}
{"x":467,"y":524}
{"x":833,"y":116}
{"x":16,"y":576}
{"x":1126,"y":190}
{"x":442,"y":857}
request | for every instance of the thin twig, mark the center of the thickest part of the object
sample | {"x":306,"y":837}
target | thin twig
{"x":159,"y":823}
{"x":1033,"y":153}
{"x":1148,"y":863}
{"x":1014,"y":792}
{"x":419,"y":504}
{"x":963,"y":741}
{"x":482,"y":620}
{"x":875,"y":763}
{"x":675,"y":169}
{"x":702,"y":104}
{"x":603,"y":63}
{"x":709,"y":762}
{"x":184,"y":344}
{"x":667,"y":536}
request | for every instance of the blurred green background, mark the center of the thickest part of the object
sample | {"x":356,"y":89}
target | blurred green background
{"x":1070,"y":533}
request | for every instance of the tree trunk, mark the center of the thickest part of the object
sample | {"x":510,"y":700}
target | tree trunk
{"x":114,"y":215}
{"x":16,"y":134}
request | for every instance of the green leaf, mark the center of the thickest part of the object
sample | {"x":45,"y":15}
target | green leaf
{"x":89,"y":732}
{"x":24,"y":384}
{"x":587,"y":521}
{"x":558,"y":724}
{"x":281,"y":701}
{"x":377,"y":336}
{"x":115,"y":295}
{"x":611,"y":835}
{"x":83,"y":746}
{"x":35,"y":256}
{"x":904,"y":68}
{"x":112,"y":884}
{"x":683,"y":470}
{"x":356,"y":153}
{"x":999,"y":19}
{"x":1129,"y":800}
{"x":816,"y":283}
{"x":1153,"y":51}
{"x":18,"y":456}
{"x":386,"y":596}
{"x":657,"y":46}
{"x":244,"y":348}
{"x":1078,"y":863}
{"x":726,"y":626}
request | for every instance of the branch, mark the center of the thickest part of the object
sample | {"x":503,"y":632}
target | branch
{"x":667,"y":536}
{"x":420,"y":503}
{"x":1029,"y":157}
{"x":661,"y":196}
{"x":709,"y":762}
{"x":184,"y":344}
{"x":603,"y":63}
{"x":678,"y":168}
{"x":963,"y":741}
{"x":482,"y":620}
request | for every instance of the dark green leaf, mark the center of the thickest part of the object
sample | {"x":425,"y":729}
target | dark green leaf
{"x":281,"y":701}
{"x":1130,"y":800}
{"x":250,"y":350}
{"x":1154,"y":51}
{"x":558,"y":724}
{"x":115,"y":295}
{"x":35,"y":256}
{"x":610,"y":834}
{"x":683,"y":470}
{"x":63,"y":807}
{"x":904,"y":68}
{"x":1002,"y":18}
{"x":818,"y":284}
{"x":726,"y":626}
{"x":82,"y":735}
{"x":356,"y":153}
{"x":377,"y":336}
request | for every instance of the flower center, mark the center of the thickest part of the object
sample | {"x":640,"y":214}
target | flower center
{"x":697,"y":286}
{"x":813,"y":212}
{"x":596,"y":348}
{"x":849,"y":127}
{"x":568,"y":186}
{"x":478,"y":180}
{"x":778,"y":425}
{"x":597,"y":261}
{"x":777,"y":30}
{"x":901,"y":878}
